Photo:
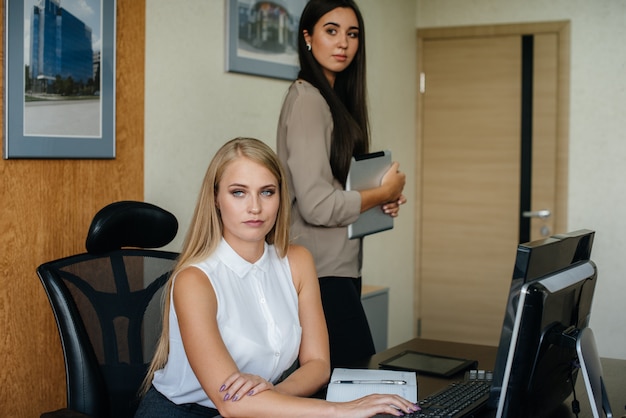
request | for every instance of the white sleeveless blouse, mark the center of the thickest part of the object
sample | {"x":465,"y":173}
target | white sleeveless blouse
{"x":257,"y":315}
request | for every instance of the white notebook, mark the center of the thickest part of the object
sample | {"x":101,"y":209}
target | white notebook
{"x":366,"y":172}
{"x":365,"y":382}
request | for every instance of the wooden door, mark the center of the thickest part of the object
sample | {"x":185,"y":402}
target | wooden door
{"x":489,"y":153}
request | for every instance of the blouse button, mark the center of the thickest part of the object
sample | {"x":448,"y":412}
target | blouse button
{"x":262,"y":300}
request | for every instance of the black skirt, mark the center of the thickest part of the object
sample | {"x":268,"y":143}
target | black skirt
{"x":351,"y":342}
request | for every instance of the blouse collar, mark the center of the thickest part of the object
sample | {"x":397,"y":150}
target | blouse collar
{"x":238,"y":264}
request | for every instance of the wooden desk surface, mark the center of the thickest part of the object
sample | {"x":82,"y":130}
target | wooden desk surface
{"x":614,"y":374}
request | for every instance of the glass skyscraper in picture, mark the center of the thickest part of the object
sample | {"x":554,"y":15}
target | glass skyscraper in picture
{"x":60,"y":49}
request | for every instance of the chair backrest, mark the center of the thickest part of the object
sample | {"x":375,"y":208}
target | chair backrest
{"x":107,"y":305}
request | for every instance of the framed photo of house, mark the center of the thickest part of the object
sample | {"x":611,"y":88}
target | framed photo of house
{"x":262,"y":37}
{"x":59,"y":99}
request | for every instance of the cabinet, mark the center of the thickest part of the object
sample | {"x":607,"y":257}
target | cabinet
{"x":375,"y":300}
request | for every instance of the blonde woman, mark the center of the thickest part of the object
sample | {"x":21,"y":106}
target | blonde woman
{"x":244,"y":305}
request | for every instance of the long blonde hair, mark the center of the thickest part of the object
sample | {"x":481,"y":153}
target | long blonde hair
{"x":205,"y":231}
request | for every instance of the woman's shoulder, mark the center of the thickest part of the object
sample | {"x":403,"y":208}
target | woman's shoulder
{"x":304,"y":97}
{"x":191,"y":272}
{"x":191,"y":279}
{"x":299,"y":255}
{"x":303,"y":89}
{"x":303,"y":85}
{"x":301,"y":264}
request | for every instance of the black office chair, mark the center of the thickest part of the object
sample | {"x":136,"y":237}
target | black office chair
{"x":107,"y":306}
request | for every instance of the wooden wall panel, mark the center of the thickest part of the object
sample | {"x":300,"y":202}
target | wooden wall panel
{"x":45,"y":210}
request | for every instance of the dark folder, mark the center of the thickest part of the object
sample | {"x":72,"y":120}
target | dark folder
{"x":366,"y":172}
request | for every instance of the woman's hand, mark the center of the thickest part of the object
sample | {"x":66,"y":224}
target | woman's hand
{"x":377,"y":404}
{"x":393,"y":208}
{"x":388,"y":193}
{"x":239,"y":385}
{"x":393,"y":181}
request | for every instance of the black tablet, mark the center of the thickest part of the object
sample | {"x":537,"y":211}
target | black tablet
{"x":428,"y":363}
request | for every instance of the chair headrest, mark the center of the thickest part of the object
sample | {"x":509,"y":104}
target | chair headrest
{"x":130,"y":224}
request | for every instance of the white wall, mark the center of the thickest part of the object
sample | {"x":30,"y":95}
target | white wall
{"x":193,"y":106}
{"x":597,"y":173}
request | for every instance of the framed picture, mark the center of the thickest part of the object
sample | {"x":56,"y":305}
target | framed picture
{"x":59,"y":79}
{"x":262,"y":37}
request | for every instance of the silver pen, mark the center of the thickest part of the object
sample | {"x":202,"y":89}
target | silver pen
{"x":374,"y":382}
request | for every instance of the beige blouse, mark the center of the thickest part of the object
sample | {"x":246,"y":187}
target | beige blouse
{"x":321,"y":208}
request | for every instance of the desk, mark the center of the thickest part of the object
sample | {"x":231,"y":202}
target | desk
{"x":614,"y":374}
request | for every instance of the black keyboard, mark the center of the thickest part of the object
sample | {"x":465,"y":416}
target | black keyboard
{"x":459,"y":399}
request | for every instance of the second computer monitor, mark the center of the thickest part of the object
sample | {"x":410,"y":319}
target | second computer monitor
{"x":549,"y":301}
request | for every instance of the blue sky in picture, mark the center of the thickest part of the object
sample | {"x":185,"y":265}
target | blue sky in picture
{"x":88,"y":11}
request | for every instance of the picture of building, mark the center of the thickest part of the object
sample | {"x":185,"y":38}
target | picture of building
{"x":62,"y":66}
{"x":61,"y":50}
{"x":267,"y":30}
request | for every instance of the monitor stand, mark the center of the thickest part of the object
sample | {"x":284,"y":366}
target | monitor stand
{"x":592,"y":373}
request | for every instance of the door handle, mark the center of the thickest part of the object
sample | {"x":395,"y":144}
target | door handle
{"x":542,"y":214}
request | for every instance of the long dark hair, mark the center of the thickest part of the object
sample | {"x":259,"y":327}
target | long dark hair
{"x":348,"y":99}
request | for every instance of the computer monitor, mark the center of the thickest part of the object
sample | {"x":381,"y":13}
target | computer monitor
{"x":549,"y":302}
{"x":592,"y":374}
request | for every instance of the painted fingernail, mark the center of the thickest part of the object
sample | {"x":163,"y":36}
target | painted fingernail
{"x":226,"y":397}
{"x":222,"y":388}
{"x":251,"y":392}
{"x":235,"y":398}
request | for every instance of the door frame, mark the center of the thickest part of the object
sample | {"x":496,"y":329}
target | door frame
{"x":562,"y":30}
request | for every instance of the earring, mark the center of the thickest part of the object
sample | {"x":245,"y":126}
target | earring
{"x":308,"y":47}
